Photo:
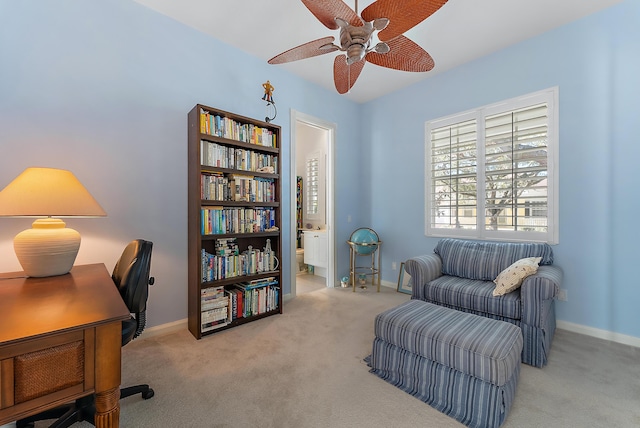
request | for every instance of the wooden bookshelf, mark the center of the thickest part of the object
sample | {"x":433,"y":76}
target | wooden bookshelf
{"x":234,"y":209}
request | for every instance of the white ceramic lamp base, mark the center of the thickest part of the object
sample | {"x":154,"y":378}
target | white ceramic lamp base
{"x":48,"y":249}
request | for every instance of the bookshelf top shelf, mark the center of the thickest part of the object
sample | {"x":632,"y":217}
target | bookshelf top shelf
{"x":237,"y":117}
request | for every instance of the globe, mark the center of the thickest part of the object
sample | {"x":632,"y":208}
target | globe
{"x":364,"y":241}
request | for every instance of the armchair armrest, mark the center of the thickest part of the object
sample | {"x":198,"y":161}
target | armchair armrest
{"x":538,"y":292}
{"x":422,"y":269}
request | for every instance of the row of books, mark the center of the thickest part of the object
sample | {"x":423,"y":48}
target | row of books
{"x":228,"y":128}
{"x":221,"y":220}
{"x":220,"y":306}
{"x":221,"y":156}
{"x":250,"y":262}
{"x":226,"y":246}
{"x":245,"y":188}
{"x":250,"y":299}
{"x":214,"y":307}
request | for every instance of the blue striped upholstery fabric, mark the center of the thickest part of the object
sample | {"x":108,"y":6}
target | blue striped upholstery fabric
{"x":462,"y":365}
{"x":478,"y":346}
{"x":485,"y":260}
{"x":537,"y":289}
{"x":482,"y":314}
{"x":531,"y":307}
{"x":423,"y":269}
{"x":472,"y":294}
{"x":537,"y":340}
{"x":469,"y":400}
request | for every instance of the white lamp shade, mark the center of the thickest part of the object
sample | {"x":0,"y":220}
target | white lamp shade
{"x":49,"y":248}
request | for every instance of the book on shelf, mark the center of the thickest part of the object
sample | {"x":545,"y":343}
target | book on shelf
{"x":249,"y":262}
{"x":247,"y":188}
{"x":257,"y":283}
{"x":225,"y":127}
{"x":236,"y":187}
{"x":235,"y":304}
{"x":216,"y":314}
{"x":211,"y":304}
{"x":217,"y":220}
{"x":212,"y":292}
{"x":258,"y":299}
{"x":226,"y":246}
{"x":214,"y":307}
{"x":214,"y":187}
{"x":213,"y":325}
{"x":221,"y":156}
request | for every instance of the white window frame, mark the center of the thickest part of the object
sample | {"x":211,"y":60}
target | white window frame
{"x":551,"y":236}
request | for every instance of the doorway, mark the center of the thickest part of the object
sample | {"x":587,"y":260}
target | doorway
{"x":312,"y":142}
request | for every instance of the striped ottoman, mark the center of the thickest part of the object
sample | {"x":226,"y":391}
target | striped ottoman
{"x":464,"y":365}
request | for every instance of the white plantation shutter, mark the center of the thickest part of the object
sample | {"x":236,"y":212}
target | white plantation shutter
{"x":313,"y":185}
{"x":454,"y":176}
{"x":516,"y":170}
{"x":491,"y":173}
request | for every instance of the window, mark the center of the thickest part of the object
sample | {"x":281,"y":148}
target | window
{"x":491,"y":173}
{"x":313,"y":185}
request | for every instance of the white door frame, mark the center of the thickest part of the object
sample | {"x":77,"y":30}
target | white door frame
{"x":298,"y":117}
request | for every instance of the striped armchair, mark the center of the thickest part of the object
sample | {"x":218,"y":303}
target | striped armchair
{"x":459,"y":274}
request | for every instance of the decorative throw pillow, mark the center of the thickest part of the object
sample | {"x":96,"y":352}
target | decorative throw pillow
{"x":511,"y":278}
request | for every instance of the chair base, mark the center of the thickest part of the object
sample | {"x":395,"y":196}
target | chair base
{"x":83,"y":409}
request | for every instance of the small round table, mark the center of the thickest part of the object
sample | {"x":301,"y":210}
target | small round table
{"x":355,"y":250}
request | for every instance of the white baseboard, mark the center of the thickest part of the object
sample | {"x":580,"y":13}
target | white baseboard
{"x":389,"y":284}
{"x":599,"y":334}
{"x":162,"y":329}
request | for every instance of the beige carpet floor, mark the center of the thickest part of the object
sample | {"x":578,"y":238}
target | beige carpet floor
{"x":304,"y":368}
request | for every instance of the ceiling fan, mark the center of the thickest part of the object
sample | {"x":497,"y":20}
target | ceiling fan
{"x":391,"y":18}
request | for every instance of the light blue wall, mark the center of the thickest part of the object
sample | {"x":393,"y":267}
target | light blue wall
{"x":595,"y":62}
{"x":103,"y":89}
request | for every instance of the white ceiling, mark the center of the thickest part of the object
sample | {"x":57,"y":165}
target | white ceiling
{"x":462,"y":30}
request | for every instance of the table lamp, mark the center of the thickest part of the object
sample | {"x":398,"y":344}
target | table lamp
{"x":49,"y":248}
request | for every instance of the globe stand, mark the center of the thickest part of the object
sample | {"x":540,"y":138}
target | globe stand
{"x":364,"y":249}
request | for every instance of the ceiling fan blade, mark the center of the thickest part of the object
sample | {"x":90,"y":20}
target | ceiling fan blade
{"x":403,"y":14}
{"x":328,"y":10}
{"x":344,"y":75}
{"x":307,"y":50}
{"x":404,"y":54}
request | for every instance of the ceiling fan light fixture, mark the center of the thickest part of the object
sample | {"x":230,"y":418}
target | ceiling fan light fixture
{"x":380,"y":23}
{"x":381,"y":48}
{"x":342,"y":23}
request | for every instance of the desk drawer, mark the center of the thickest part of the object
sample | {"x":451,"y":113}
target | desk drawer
{"x":46,"y":371}
{"x":33,"y":374}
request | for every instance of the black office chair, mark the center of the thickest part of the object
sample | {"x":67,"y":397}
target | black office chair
{"x":131,"y":276}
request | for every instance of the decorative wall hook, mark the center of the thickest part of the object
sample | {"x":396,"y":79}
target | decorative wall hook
{"x":271,"y":104}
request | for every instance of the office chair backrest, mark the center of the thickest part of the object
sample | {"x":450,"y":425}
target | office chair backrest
{"x":131,"y":276}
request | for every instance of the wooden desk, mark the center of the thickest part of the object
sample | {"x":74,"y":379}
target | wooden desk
{"x":60,"y":339}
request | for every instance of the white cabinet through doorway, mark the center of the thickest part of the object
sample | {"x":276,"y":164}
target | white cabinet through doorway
{"x":315,"y":248}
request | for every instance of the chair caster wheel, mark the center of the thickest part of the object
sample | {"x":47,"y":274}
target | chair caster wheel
{"x":148,"y":394}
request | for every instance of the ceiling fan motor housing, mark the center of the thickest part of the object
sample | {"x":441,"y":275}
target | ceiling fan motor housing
{"x":355,"y":41}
